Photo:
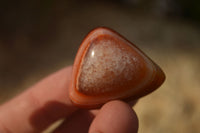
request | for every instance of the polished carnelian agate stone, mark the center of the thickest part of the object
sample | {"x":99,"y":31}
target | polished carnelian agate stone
{"x":109,"y":67}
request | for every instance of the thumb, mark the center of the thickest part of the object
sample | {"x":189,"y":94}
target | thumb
{"x":115,"y":117}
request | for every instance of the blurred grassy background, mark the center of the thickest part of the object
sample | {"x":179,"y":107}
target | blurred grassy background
{"x":38,"y":38}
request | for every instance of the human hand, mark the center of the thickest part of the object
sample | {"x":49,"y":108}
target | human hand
{"x":47,"y":101}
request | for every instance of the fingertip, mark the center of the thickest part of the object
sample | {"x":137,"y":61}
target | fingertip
{"x":115,"y":117}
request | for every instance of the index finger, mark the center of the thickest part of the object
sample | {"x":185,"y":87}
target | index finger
{"x":39,"y":106}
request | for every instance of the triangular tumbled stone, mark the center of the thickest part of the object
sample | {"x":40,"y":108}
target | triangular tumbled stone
{"x":108,"y":67}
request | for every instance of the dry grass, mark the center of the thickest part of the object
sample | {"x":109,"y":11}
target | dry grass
{"x":174,"y":107}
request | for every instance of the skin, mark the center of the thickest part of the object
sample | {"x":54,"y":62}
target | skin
{"x":47,"y":101}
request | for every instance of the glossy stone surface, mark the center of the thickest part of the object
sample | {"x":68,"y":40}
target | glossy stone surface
{"x":108,"y":67}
